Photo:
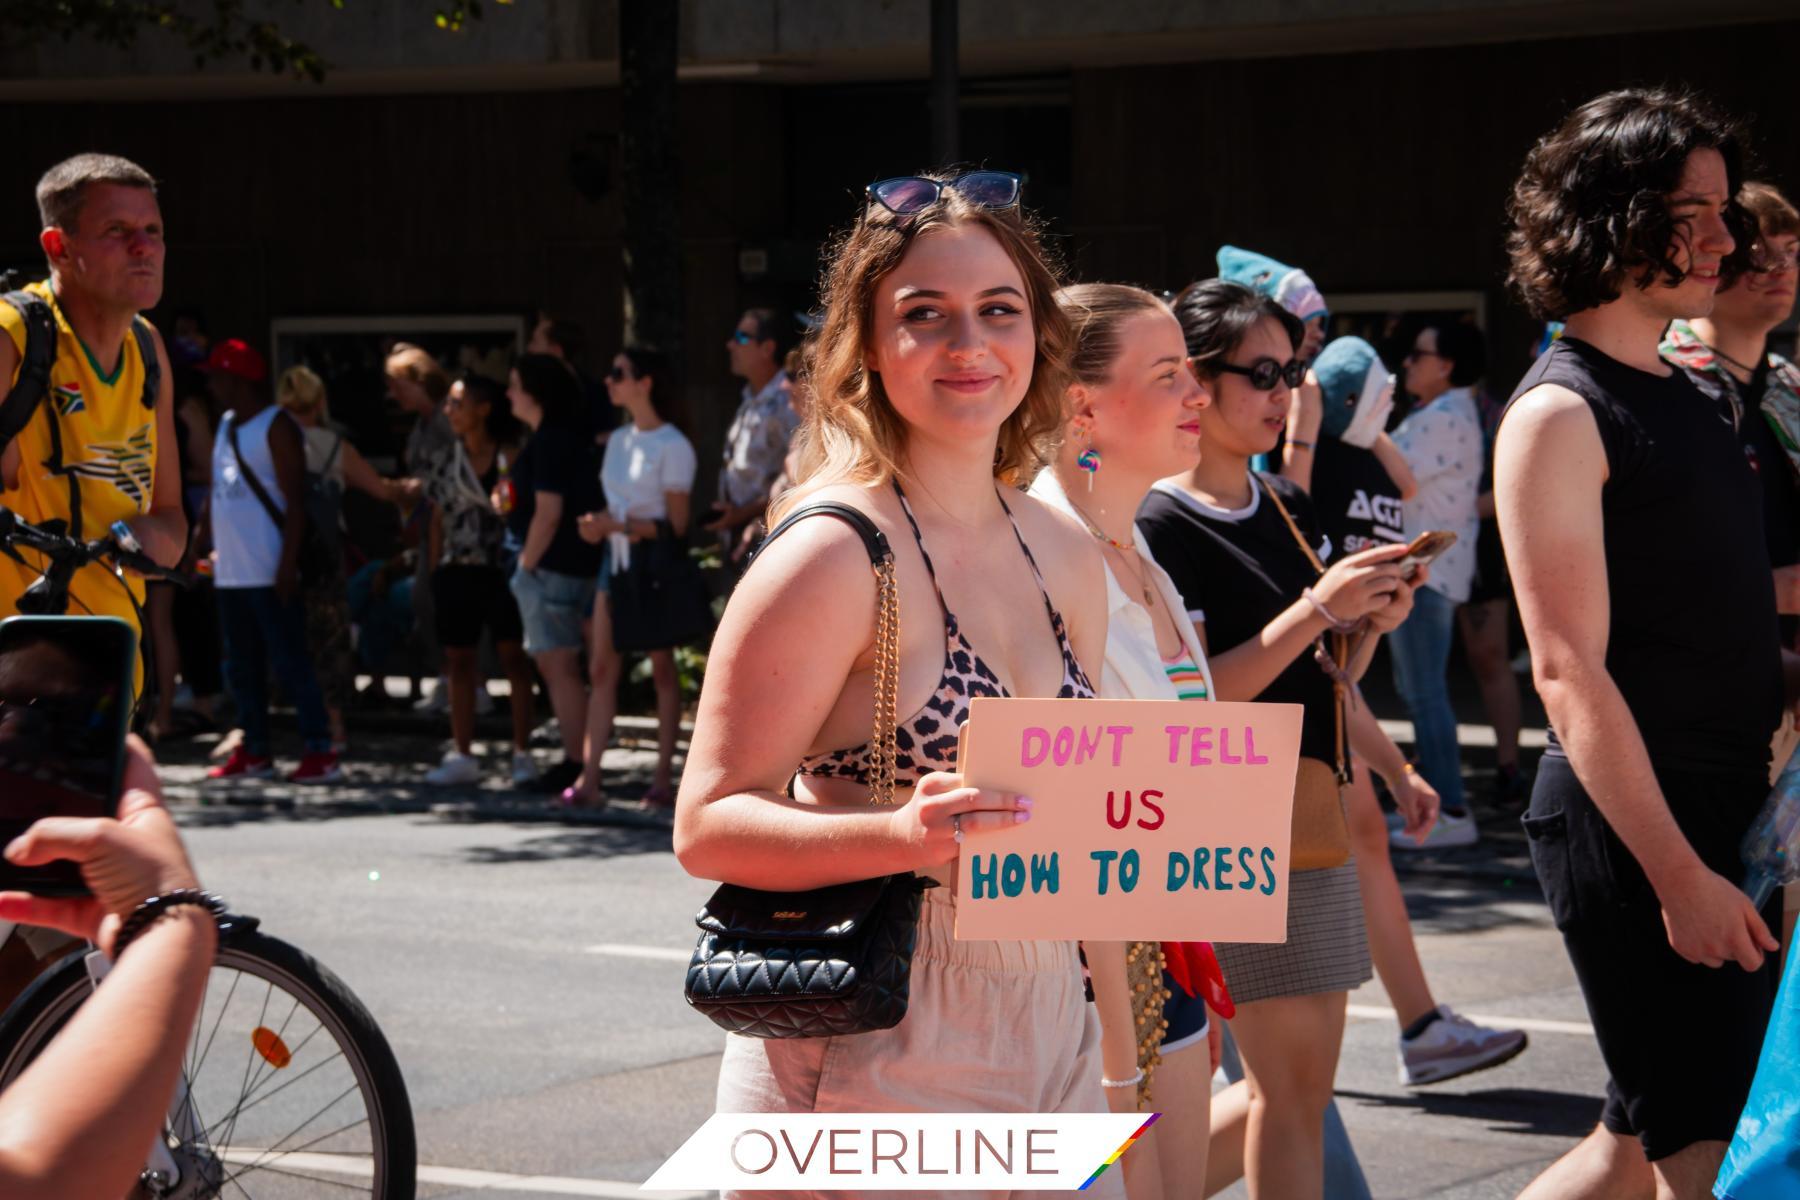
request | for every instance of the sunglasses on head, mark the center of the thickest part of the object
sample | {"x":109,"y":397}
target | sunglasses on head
{"x":1264,"y":373}
{"x":905,"y":195}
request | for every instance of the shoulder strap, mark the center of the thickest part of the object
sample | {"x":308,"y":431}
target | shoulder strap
{"x":873,"y":539}
{"x":249,"y":476}
{"x":1293,"y":528}
{"x":34,"y":367}
{"x":146,"y":344}
{"x":887,"y":635}
{"x":337,"y":443}
{"x":1333,"y":660}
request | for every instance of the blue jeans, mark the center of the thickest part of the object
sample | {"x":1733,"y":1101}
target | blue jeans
{"x":1344,"y":1178}
{"x":382,"y":622}
{"x":259,"y":629}
{"x":1421,"y":649}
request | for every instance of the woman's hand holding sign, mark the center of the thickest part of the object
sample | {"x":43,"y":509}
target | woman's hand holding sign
{"x":943,"y":808}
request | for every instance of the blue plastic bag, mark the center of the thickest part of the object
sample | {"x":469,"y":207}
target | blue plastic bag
{"x":1763,"y":1161}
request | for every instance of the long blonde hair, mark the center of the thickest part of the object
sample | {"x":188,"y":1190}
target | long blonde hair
{"x":852,"y":433}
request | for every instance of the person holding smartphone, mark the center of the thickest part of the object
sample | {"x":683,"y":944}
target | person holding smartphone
{"x":1245,"y":552}
{"x":87,"y":1142}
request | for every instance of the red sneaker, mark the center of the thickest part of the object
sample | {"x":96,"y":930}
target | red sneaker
{"x":243,"y":765}
{"x":320,"y":766}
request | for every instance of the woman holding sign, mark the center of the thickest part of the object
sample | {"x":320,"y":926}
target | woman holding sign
{"x":1134,"y":418}
{"x":937,"y":387}
{"x":1245,"y":553}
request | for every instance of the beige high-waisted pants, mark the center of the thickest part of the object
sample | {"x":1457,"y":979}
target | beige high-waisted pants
{"x":990,"y":1026}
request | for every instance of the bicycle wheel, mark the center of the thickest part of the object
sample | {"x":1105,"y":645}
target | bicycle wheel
{"x":293,"y":1091}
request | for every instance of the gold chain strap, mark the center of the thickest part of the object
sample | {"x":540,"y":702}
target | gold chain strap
{"x":887,"y":683}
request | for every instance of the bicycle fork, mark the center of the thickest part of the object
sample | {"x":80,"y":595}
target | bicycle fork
{"x":161,"y":1174}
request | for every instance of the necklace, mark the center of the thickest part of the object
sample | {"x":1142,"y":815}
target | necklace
{"x":1127,"y":551}
{"x":1746,"y":368}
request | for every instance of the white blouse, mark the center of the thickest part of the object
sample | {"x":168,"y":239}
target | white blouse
{"x":1134,"y":668}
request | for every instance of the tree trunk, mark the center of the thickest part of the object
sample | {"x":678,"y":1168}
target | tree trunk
{"x":655,"y":311}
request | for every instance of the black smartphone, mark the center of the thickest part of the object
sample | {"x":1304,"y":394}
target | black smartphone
{"x":65,"y":705}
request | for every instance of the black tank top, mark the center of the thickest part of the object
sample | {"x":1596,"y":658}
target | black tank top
{"x":1694,"y":645}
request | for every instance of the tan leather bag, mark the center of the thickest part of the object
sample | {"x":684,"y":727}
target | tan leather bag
{"x":1320,"y":838}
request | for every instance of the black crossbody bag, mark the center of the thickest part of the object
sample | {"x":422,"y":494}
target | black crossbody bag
{"x":835,"y":960}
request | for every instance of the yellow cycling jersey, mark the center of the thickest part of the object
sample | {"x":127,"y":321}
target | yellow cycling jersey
{"x":109,"y":448}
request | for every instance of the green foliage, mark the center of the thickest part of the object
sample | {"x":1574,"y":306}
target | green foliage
{"x":212,"y":30}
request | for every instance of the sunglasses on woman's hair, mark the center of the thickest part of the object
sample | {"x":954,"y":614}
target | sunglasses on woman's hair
{"x":905,"y":195}
{"x":1263,"y":374}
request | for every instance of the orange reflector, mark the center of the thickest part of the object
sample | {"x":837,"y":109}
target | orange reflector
{"x":268,"y":1043}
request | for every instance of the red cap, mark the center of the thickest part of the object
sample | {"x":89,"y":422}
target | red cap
{"x":236,"y":357}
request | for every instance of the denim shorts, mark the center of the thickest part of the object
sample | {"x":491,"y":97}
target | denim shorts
{"x":552,"y":607}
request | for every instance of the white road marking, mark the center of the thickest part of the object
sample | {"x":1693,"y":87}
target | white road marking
{"x":1374,"y":1012}
{"x":543,"y":1185}
{"x":659,"y":953}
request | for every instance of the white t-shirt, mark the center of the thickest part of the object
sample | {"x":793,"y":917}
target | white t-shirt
{"x":1442,"y":445}
{"x":639,"y":470}
{"x":247,"y":540}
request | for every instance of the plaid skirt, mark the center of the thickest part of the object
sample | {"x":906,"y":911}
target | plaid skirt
{"x":1327,"y":947}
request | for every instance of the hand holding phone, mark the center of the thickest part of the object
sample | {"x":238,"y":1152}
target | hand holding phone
{"x":65,"y":706}
{"x":1425,"y":547}
{"x":126,"y":861}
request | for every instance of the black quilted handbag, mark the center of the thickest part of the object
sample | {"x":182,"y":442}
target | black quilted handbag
{"x":835,"y":960}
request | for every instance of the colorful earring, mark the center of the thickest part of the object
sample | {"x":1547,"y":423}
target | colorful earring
{"x":1089,"y":460}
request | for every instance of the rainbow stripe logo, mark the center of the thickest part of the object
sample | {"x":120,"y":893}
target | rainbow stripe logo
{"x":1116,"y":1155}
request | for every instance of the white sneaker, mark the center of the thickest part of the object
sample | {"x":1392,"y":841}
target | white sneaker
{"x":1454,"y":1045}
{"x":524,"y":768}
{"x":1451,"y":831}
{"x":457,"y":768}
{"x":437,"y":700}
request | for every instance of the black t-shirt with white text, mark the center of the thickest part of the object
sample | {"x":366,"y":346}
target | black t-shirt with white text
{"x":1357,"y":501}
{"x":1236,"y":572}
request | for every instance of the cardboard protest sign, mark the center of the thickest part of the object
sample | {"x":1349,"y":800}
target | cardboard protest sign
{"x":1154,"y":820}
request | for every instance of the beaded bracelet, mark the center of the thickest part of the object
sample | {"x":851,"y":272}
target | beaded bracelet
{"x":146,"y":913}
{"x":1330,"y":619}
{"x":1124,"y":1083}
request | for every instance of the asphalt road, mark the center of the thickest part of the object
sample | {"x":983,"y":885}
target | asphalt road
{"x":526,"y":966}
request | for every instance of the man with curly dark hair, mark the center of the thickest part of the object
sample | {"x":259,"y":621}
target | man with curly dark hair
{"x":1633,"y":526}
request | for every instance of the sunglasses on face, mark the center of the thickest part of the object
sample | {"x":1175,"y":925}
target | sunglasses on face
{"x":1264,"y":373}
{"x":1415,"y":354}
{"x":620,"y":375}
{"x":1764,"y":261}
{"x":742,"y":338}
{"x":905,"y":195}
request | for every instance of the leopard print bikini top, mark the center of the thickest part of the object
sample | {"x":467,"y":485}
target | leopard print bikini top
{"x":926,"y":741}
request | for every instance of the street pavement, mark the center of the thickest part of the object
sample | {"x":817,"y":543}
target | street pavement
{"x":526,"y":965}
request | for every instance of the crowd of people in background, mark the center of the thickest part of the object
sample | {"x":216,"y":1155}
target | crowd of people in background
{"x":541,"y":533}
{"x":1100,"y":490}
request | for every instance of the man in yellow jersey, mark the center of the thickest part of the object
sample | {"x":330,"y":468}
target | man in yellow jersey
{"x":99,"y":446}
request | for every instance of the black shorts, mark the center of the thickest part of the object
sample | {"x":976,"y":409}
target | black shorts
{"x":467,"y":599}
{"x":1680,"y":1040}
{"x":1491,"y":579}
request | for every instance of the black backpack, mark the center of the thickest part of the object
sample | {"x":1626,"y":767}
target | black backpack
{"x":28,"y":391}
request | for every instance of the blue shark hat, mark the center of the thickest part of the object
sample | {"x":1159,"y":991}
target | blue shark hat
{"x":1289,"y":287}
{"x":1357,"y":391}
